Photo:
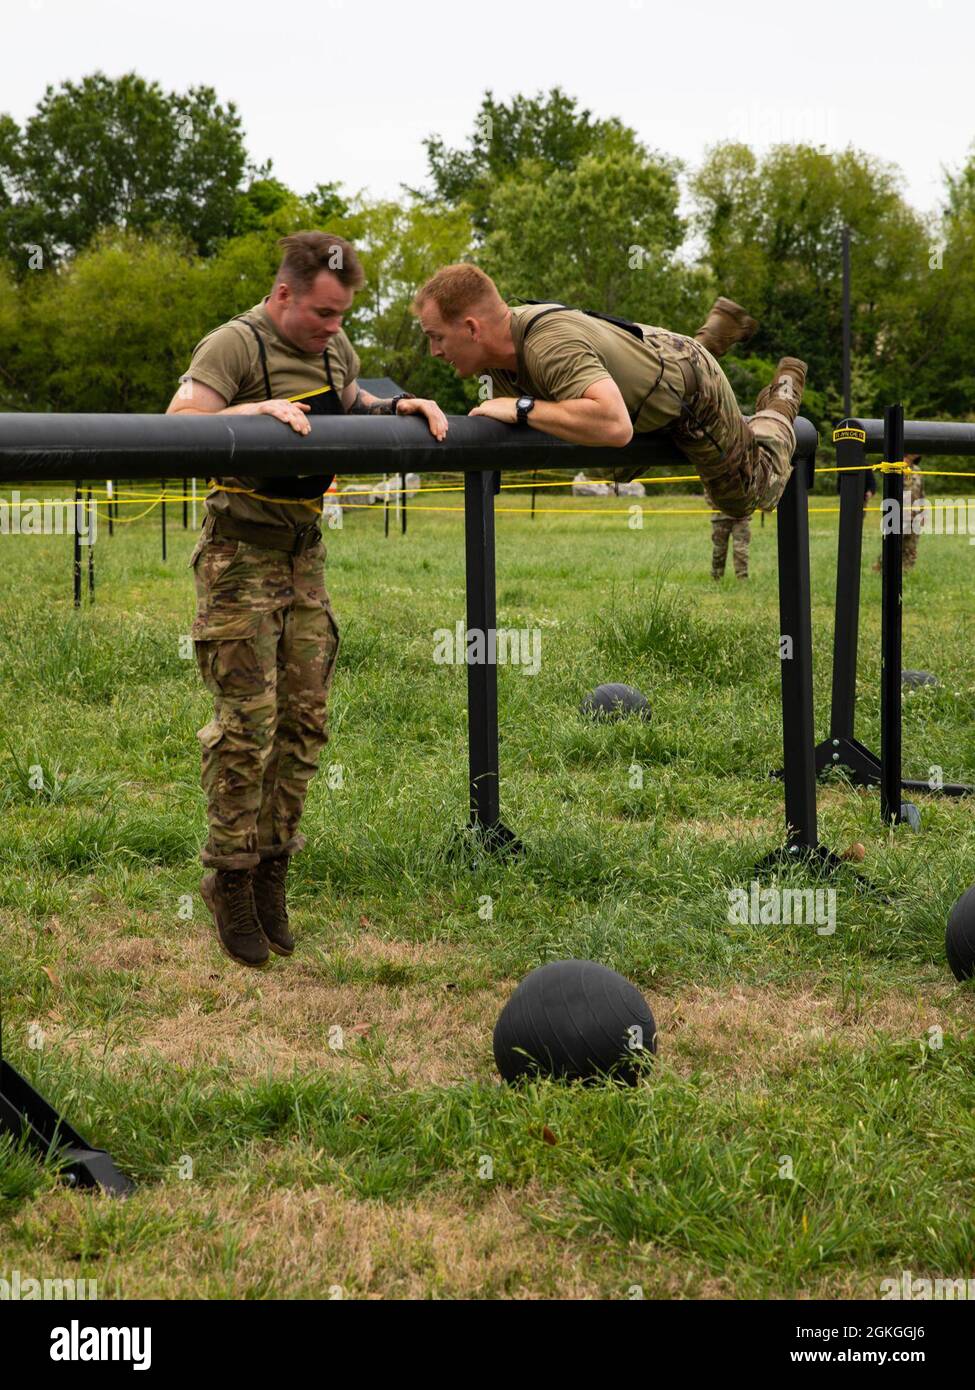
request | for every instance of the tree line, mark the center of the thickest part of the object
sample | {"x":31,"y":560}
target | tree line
{"x":132,"y":220}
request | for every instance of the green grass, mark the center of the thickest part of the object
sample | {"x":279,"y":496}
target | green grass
{"x":360,"y":1167}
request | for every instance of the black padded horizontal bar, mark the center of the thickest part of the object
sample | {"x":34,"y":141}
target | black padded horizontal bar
{"x":920,"y":436}
{"x":49,"y":447}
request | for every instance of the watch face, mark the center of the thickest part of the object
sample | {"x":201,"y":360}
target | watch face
{"x":525,"y":402}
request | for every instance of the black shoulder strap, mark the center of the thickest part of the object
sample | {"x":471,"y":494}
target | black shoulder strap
{"x":328,"y":369}
{"x":262,"y":354}
{"x":626,"y":324}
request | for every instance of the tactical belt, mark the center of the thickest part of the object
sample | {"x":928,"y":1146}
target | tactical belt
{"x":293,"y":539}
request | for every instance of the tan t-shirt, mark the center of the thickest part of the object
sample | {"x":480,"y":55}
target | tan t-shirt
{"x":228,"y":360}
{"x":567,"y":352}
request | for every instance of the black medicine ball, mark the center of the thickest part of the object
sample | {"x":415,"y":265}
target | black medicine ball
{"x":960,"y":936}
{"x":572,"y":1020}
{"x":615,"y":702}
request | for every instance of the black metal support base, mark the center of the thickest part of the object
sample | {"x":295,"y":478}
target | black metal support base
{"x":818,"y":858}
{"x":818,"y":861}
{"x":25,"y":1112}
{"x":863,"y":768}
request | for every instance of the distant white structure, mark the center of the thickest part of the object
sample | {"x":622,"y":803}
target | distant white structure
{"x":581,"y":487}
{"x":373,"y":494}
{"x":585,"y":487}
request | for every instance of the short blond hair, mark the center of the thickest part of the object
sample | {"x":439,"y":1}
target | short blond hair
{"x":456,"y":290}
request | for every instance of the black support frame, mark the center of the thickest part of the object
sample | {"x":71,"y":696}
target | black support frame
{"x":864,"y":438}
{"x":51,"y":448}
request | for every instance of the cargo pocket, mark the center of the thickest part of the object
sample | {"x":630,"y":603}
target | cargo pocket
{"x":226,"y":653}
{"x":211,"y":734}
{"x":332,"y":648}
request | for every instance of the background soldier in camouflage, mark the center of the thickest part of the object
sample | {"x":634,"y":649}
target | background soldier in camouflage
{"x":739,"y":530}
{"x":913,"y":494}
{"x":266,"y":638}
{"x":591,"y":381}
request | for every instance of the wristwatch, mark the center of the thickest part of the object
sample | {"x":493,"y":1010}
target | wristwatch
{"x":524,"y":405}
{"x":403,"y":396}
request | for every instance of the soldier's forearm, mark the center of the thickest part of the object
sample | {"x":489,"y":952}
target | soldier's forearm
{"x":364,"y":404}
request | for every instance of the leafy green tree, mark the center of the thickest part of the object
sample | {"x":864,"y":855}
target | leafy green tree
{"x":401,"y":245}
{"x":110,"y":331}
{"x":13,"y":335}
{"x":772,"y":232}
{"x":120,"y":152}
{"x":547,"y":131}
{"x":604,"y":235}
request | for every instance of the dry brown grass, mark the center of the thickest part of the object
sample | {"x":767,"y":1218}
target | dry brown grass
{"x":294,"y":1243}
{"x":434,"y":1028}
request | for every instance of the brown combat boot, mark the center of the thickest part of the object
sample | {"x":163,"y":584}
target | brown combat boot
{"x":272,"y":906}
{"x":229,"y":894}
{"x":726,"y":324}
{"x":784,"y":392}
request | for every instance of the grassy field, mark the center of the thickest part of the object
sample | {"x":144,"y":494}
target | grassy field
{"x":271,"y":1162}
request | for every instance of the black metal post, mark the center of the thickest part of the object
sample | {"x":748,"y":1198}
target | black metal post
{"x":847,"y":327}
{"x":91,"y":549}
{"x":891,"y":808}
{"x":849,"y":453}
{"x":534,"y":481}
{"x":482,"y":675}
{"x":402,"y":478}
{"x":795,"y":627}
{"x":186,"y":506}
{"x":109,"y":488}
{"x":842,"y":749}
{"x":77,"y":544}
{"x":162,"y":514}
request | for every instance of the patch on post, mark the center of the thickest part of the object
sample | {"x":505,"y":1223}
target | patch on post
{"x":850,"y":432}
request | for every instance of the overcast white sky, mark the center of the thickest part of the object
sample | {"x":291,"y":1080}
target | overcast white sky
{"x":347,"y":89}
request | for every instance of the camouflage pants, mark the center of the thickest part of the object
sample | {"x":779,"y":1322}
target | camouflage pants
{"x":743,"y":462}
{"x":266,"y":642}
{"x":739,"y":529}
{"x":913,"y":492}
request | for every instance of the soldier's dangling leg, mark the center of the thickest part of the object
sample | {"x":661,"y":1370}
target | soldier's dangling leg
{"x":914,"y":512}
{"x":720,"y":531}
{"x":743,"y":464}
{"x":236,"y":633}
{"x":306,"y":662}
{"x":741,"y":535}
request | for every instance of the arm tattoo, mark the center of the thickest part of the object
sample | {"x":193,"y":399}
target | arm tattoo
{"x":359,"y":407}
